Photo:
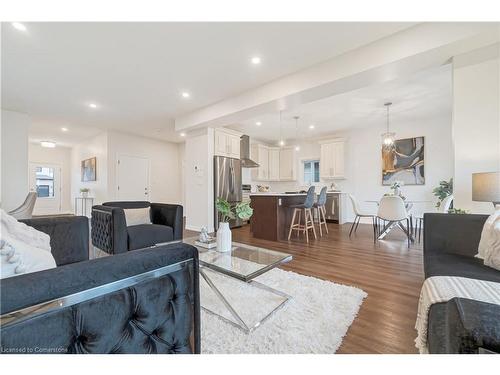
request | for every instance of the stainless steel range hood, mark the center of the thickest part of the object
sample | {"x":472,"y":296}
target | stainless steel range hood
{"x":246,"y":162}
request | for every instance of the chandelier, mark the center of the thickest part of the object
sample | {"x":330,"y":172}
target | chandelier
{"x":388,"y":137}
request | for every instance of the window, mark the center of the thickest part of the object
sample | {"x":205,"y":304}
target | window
{"x":311,"y":171}
{"x":45,"y":182}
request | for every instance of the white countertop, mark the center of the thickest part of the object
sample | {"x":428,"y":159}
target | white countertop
{"x":272,"y":194}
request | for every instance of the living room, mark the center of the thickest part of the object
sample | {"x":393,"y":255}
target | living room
{"x":249,"y":191}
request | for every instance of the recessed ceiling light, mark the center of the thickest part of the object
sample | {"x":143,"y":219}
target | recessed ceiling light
{"x":64,"y":129}
{"x":258,"y":123}
{"x":93,"y":105}
{"x":18,"y":26}
{"x":48,"y":144}
{"x":182,"y":134}
{"x":185,"y":94}
{"x":311,"y":126}
{"x":297,"y":148}
{"x":256,"y":60}
{"x":282,"y":143}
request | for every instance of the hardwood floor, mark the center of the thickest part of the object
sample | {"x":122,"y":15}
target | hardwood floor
{"x":388,"y":271}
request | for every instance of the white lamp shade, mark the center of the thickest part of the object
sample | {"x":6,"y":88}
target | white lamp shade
{"x":486,"y":187}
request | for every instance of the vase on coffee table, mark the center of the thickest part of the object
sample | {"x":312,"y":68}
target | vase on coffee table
{"x":224,"y":238}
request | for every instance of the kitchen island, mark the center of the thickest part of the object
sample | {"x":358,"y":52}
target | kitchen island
{"x":272,"y":213}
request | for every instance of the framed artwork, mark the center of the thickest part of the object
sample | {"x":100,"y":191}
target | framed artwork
{"x":89,"y":169}
{"x":404,"y":162}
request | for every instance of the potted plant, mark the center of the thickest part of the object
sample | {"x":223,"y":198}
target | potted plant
{"x":228,"y":212}
{"x":444,"y":189}
{"x":84,"y":192}
{"x":396,"y":187}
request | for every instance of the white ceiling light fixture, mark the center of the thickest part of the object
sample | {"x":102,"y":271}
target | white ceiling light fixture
{"x":297,"y":147}
{"x":48,"y":144}
{"x":256,"y":60}
{"x":388,"y":137}
{"x":63,"y":129}
{"x":182,"y":134}
{"x":258,"y":123}
{"x":93,"y":105}
{"x":311,"y":127}
{"x":19,"y":26}
{"x":185,"y":95}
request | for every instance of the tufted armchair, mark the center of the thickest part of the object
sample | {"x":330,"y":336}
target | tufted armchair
{"x":144,"y":301}
{"x":111,"y":234}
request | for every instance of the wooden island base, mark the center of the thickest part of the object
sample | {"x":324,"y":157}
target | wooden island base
{"x":272,"y":215}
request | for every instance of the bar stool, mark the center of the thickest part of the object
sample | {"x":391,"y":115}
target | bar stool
{"x":320,"y":207}
{"x":308,"y":218}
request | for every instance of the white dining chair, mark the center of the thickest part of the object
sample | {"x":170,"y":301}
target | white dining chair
{"x":360,"y":214}
{"x":25,"y":210}
{"x":392,"y":208}
{"x":444,"y":207}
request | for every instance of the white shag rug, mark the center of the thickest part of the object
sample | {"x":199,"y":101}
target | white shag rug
{"x":315,"y":320}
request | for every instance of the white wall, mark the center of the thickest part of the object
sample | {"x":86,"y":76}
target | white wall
{"x":14,"y":160}
{"x":364,"y":165}
{"x":476,"y":124}
{"x":96,"y":146}
{"x":199,"y":204}
{"x":59,"y":156}
{"x":165,"y":166}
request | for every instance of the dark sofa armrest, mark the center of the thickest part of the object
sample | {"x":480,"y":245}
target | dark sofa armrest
{"x":168,"y":214}
{"x":452,"y":233}
{"x":109,"y":229}
{"x":109,"y":304}
{"x":463,"y":325}
{"x":69,"y":237}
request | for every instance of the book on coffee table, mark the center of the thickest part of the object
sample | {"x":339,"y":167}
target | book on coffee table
{"x":210,"y":244}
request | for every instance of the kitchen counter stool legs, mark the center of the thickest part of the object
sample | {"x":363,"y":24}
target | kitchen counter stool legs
{"x":297,"y":226}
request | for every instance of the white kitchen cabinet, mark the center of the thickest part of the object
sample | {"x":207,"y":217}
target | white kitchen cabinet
{"x":260,"y":155}
{"x":274,"y":164}
{"x":287,"y":164}
{"x":226,"y":144}
{"x":332,"y":159}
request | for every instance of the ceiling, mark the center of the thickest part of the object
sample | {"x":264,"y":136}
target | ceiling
{"x":136,"y":72}
{"x":414,"y":98}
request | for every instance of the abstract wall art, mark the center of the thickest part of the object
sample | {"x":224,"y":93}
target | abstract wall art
{"x":404,"y":162}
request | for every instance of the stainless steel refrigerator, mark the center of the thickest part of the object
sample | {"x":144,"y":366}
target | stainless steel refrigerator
{"x":227,"y":185}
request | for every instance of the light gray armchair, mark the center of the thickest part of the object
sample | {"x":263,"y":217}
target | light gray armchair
{"x":25,"y":211}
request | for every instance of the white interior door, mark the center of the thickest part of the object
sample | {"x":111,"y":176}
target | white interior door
{"x":45,"y":179}
{"x":133,"y":178}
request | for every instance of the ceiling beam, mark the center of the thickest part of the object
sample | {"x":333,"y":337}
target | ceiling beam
{"x":420,"y":47}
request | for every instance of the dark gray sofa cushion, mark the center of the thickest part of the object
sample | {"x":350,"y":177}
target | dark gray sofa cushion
{"x":145,"y":235}
{"x":69,"y":237}
{"x":459,"y":265}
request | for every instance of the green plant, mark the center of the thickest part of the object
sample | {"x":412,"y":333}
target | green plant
{"x":457,"y":211}
{"x":228,"y":212}
{"x":84,"y":190}
{"x":444,"y":189}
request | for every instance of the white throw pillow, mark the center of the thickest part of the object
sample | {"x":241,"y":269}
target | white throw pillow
{"x":486,"y":234}
{"x":23,"y":232}
{"x":492,"y":257}
{"x":18,"y":257}
{"x":137,"y":216}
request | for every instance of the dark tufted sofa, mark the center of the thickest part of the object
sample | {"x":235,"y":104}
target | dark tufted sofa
{"x":111,"y":234}
{"x":459,"y":325}
{"x":144,"y":301}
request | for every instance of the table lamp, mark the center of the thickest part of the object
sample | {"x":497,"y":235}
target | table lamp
{"x":486,"y":187}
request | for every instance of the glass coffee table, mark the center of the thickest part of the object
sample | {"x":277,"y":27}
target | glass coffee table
{"x":228,"y":286}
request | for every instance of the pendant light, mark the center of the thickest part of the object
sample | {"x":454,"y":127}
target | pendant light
{"x":297,"y":147}
{"x":388,"y":137}
{"x":282,"y":142}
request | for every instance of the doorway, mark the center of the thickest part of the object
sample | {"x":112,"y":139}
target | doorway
{"x":132,"y":178}
{"x":45,"y":180}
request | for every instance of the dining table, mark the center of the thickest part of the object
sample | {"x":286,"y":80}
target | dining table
{"x":390,"y":225}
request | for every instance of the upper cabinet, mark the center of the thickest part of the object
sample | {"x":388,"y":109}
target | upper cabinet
{"x":275,"y":164}
{"x":287,"y":164}
{"x":332,"y":159}
{"x":227,"y":143}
